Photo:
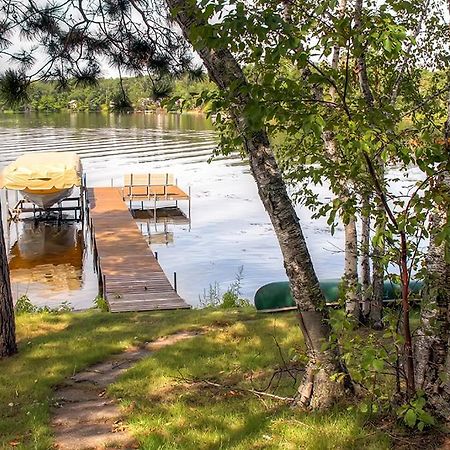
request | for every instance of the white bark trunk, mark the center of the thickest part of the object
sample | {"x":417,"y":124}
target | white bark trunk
{"x":352,"y":303}
{"x":365,"y":260}
{"x":318,"y":389}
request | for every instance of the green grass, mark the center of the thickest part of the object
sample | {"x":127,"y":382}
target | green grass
{"x":163,"y":410}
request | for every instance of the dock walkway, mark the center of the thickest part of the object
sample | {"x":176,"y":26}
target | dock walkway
{"x":132,"y":277}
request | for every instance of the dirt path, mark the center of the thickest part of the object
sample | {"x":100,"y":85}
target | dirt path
{"x":85,"y":417}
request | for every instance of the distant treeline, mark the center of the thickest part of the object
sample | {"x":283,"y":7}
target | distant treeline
{"x":138,"y":93}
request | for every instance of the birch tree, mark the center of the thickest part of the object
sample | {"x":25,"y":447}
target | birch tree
{"x":137,"y":35}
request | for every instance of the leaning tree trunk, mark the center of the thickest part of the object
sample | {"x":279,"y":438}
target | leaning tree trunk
{"x":318,"y":389}
{"x":432,"y":342}
{"x":7,"y":327}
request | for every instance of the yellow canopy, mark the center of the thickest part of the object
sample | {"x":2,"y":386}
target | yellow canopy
{"x":43,"y":171}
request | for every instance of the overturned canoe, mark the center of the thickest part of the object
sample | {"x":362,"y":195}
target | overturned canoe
{"x":44,"y":178}
{"x":278,"y":297}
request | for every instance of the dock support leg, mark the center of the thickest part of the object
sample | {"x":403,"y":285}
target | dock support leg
{"x":7,"y":225}
{"x":7,"y":202}
{"x":84,"y":198}
{"x":104,"y":286}
{"x":189,"y":208}
{"x":175,"y":281}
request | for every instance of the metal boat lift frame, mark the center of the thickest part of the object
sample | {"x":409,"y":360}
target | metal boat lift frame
{"x":23,"y":206}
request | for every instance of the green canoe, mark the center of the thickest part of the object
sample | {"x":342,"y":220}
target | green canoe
{"x":277,"y":296}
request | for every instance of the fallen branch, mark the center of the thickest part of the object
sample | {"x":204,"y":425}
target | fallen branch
{"x":252,"y":391}
{"x":235,"y":388}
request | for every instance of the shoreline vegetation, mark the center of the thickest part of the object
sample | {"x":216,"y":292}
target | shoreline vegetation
{"x":134,"y":94}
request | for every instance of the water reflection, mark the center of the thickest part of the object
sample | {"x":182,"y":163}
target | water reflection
{"x":46,"y":260}
{"x":173,"y":121}
{"x":157,"y":232}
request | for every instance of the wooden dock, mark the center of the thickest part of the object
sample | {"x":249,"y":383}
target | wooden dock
{"x":131,"y":276}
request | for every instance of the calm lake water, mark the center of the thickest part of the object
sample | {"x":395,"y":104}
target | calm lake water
{"x":228,"y":229}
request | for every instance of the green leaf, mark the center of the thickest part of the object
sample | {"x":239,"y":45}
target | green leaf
{"x":387,"y":44}
{"x":378,"y":364}
{"x":410,"y":418}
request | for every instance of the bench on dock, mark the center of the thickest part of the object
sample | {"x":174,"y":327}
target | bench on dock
{"x":152,"y":186}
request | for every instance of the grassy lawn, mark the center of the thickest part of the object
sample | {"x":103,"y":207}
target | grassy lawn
{"x":163,"y":406}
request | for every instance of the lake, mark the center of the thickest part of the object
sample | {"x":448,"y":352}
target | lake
{"x":228,"y":227}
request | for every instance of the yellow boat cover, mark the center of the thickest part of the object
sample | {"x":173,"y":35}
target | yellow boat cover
{"x":43,"y":172}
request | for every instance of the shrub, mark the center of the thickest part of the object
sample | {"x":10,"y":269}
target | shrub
{"x":230,"y":299}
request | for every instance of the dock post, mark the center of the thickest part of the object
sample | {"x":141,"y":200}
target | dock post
{"x":189,"y":207}
{"x":7,"y":201}
{"x":104,"y":286}
{"x":81,"y":200}
{"x":16,"y":196}
{"x":85,"y":196}
{"x":100,"y":278}
{"x":156,"y":256}
{"x":175,"y":281}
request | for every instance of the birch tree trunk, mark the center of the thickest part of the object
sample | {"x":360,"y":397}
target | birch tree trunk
{"x":352,"y":303}
{"x":376,"y":307}
{"x":7,"y":326}
{"x":350,"y":279}
{"x":318,"y":389}
{"x":365,"y":258}
{"x":432,"y":342}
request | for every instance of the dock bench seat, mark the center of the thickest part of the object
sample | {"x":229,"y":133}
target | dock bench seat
{"x":152,"y":186}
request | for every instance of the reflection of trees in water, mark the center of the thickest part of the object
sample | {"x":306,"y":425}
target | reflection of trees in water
{"x":48,"y":254}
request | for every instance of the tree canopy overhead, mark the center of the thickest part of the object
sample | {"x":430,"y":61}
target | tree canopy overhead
{"x":70,"y":40}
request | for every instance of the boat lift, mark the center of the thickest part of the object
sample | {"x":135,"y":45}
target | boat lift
{"x":43,"y":183}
